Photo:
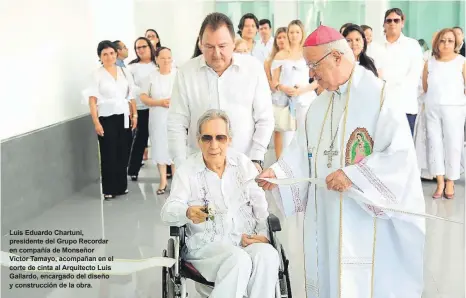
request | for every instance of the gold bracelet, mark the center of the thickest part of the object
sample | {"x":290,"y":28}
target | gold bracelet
{"x":135,"y":116}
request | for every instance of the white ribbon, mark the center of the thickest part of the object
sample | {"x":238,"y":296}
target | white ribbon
{"x":321,"y":183}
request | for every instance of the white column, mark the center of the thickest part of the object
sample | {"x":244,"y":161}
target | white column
{"x":284,"y":12}
{"x":375,"y":13}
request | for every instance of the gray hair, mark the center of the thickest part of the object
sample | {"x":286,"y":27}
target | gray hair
{"x":342,"y":46}
{"x":212,"y":115}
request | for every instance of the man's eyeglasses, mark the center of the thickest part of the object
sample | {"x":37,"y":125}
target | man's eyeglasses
{"x":219,"y":138}
{"x":313,"y":66}
{"x":396,"y":21}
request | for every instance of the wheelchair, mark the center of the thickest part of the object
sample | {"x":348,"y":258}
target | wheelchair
{"x":174,"y":278}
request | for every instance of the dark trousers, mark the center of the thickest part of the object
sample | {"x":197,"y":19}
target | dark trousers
{"x":113,"y":155}
{"x":411,"y":121}
{"x":139,"y":143}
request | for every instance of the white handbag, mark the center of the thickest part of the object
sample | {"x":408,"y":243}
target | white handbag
{"x":284,"y":120}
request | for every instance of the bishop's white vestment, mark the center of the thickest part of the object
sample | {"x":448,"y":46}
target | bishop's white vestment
{"x":353,"y":249}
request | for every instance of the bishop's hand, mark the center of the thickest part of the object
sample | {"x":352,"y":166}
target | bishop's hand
{"x":338,"y":181}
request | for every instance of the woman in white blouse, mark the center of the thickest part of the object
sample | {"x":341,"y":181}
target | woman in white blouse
{"x":156,"y":94}
{"x":111,"y":100}
{"x":141,"y":68}
{"x":215,"y":195}
{"x":290,"y":77}
{"x":444,"y":81}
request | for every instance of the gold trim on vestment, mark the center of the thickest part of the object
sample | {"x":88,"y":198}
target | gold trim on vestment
{"x":342,"y":164}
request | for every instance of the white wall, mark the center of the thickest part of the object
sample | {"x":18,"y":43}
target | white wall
{"x":375,"y":14}
{"x":48,"y":52}
{"x":284,"y":12}
{"x":177,"y":23}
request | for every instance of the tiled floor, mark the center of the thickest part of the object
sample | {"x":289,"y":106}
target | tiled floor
{"x":132,"y":225}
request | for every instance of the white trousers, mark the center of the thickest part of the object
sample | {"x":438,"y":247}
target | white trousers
{"x":445,"y":138}
{"x":238,"y":272}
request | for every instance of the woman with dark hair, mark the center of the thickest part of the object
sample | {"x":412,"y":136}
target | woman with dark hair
{"x":154,"y":38}
{"x":357,"y":41}
{"x":344,"y":26}
{"x":111,"y":101}
{"x":141,"y":68}
{"x":156,"y":94}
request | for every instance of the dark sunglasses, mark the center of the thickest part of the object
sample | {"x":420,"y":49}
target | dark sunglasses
{"x":219,"y":138}
{"x":389,"y":21}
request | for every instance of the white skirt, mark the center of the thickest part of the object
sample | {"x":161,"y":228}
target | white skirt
{"x":158,"y":135}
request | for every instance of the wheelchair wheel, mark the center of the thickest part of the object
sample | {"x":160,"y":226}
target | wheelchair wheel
{"x":168,"y":285}
{"x":285,"y":283}
{"x":165,"y":277}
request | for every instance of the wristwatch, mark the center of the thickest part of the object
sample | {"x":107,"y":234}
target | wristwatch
{"x":259,"y":162}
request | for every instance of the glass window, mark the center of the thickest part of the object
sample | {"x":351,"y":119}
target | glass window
{"x":423,"y":18}
{"x":236,"y":9}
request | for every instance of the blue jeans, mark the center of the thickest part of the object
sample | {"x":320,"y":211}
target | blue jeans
{"x":411,"y":121}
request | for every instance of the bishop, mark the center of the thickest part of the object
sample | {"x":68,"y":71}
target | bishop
{"x":355,"y":245}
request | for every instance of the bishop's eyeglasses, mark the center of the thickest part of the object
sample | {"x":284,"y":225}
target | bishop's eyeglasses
{"x":313,"y":66}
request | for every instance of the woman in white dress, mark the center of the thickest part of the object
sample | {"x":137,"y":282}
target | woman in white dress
{"x":156,"y":94}
{"x":290,"y":77}
{"x":111,"y":101}
{"x":444,"y":80}
{"x":280,"y":43}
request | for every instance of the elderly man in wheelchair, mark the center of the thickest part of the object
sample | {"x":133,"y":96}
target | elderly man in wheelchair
{"x":219,"y":217}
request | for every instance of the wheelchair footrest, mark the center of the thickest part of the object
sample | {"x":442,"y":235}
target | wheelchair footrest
{"x":188,"y":271}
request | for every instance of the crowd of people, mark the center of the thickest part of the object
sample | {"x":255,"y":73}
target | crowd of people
{"x":214,"y":117}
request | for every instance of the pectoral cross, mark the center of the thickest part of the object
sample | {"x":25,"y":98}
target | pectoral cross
{"x":330,"y":154}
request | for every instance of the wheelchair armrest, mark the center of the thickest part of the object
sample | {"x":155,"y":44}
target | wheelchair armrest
{"x":274,"y":223}
{"x":179,"y":232}
{"x":176,"y":231}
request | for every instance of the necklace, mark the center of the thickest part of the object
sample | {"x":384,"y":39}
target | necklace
{"x":330,"y":153}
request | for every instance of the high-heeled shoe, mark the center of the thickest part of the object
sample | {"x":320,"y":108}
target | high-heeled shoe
{"x":162,"y":191}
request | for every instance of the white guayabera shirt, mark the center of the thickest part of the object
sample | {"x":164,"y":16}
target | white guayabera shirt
{"x":237,"y":204}
{"x":242,"y":92}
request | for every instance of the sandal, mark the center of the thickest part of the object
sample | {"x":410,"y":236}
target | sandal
{"x":450,"y":196}
{"x":161,"y":191}
{"x":438,"y":195}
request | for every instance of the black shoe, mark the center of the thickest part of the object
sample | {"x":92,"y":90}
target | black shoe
{"x":108,"y":197}
{"x":162,"y":191}
{"x":134,"y":178}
